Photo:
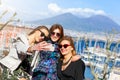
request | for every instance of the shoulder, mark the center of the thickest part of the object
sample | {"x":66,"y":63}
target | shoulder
{"x":21,"y":35}
{"x":79,"y":62}
{"x":75,"y":58}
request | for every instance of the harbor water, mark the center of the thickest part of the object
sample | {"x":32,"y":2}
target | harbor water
{"x":96,"y":58}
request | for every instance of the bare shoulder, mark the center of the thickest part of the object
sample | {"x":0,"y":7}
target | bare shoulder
{"x":75,"y":58}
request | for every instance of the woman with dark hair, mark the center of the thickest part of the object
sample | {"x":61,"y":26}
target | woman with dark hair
{"x":66,"y":68}
{"x":46,"y":68}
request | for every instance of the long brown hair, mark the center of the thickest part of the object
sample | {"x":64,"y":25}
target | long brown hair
{"x":57,"y":26}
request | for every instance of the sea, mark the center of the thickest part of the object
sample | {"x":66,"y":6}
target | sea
{"x":88,"y":74}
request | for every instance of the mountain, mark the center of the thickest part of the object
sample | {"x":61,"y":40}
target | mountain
{"x":97,"y":23}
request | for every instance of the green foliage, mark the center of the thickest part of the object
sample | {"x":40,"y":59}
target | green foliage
{"x":15,"y":75}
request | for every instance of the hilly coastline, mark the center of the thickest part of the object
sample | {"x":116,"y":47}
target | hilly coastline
{"x":97,"y":23}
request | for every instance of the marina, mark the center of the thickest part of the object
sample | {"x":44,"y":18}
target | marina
{"x":94,"y":26}
{"x":101,"y":59}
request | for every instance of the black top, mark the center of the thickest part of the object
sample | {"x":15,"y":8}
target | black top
{"x":74,"y":71}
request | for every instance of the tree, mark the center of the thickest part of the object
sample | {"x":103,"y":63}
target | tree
{"x":11,"y":19}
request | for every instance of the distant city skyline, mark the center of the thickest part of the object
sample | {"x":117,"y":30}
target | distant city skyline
{"x":28,"y":10}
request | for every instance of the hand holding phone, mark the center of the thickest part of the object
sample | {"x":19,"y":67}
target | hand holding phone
{"x":43,"y":46}
{"x":39,"y":46}
{"x":49,"y":47}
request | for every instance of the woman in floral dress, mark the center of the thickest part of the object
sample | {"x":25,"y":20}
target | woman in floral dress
{"x":46,"y":68}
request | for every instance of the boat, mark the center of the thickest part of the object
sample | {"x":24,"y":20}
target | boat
{"x":115,"y":72}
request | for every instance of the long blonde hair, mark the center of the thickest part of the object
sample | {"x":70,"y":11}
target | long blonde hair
{"x":38,"y":28}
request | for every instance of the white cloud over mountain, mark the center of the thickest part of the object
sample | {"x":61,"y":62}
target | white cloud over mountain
{"x":85,"y":12}
{"x":29,"y":13}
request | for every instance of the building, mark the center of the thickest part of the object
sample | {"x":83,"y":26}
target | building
{"x":9,"y":32}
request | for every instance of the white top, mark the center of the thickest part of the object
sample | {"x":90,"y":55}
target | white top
{"x":20,"y":46}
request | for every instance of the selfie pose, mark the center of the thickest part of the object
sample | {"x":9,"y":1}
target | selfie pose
{"x":46,"y":67}
{"x":16,"y":64}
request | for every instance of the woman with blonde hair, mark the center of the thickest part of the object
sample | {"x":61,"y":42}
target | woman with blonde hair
{"x":16,"y":64}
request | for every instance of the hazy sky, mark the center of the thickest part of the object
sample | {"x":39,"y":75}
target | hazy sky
{"x":40,"y":9}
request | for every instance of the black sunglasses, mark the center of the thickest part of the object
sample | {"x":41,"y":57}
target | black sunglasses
{"x":65,"y":45}
{"x":43,"y":35}
{"x":57,"y":34}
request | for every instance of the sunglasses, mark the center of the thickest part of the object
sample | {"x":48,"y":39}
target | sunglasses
{"x":43,"y":35}
{"x":65,"y":45}
{"x":57,"y":34}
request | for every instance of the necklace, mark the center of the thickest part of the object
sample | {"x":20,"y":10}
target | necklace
{"x":65,"y":63}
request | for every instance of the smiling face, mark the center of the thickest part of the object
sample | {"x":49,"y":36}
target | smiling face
{"x":41,"y":35}
{"x":55,"y":35}
{"x":56,"y":32}
{"x":38,"y":36}
{"x":65,"y":47}
{"x":45,"y":32}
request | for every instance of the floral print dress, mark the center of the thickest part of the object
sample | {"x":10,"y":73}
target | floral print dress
{"x":46,"y":69}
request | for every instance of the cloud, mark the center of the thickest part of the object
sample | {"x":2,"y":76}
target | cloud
{"x":84,"y":12}
{"x":54,"y":7}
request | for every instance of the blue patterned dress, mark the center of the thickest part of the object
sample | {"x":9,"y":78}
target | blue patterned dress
{"x":46,"y":69}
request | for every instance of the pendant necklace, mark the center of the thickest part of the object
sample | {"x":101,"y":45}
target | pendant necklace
{"x":67,"y":61}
